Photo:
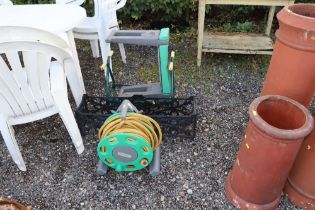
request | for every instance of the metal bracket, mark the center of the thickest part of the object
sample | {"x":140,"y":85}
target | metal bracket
{"x":155,"y":165}
{"x":126,"y":106}
{"x":101,"y":168}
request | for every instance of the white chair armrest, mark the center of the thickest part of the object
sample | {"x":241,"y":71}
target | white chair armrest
{"x":120,"y":4}
{"x":107,"y":6}
{"x":57,"y":77}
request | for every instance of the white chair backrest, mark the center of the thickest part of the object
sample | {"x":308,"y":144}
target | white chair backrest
{"x":6,"y":3}
{"x":106,"y":7}
{"x":74,"y":2}
{"x":109,"y":7}
{"x":25,"y":57}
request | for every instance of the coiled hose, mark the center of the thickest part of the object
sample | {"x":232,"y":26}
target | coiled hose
{"x":137,"y":124}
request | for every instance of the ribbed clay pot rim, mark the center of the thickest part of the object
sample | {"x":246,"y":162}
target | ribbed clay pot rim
{"x":289,"y":16}
{"x":278,"y":133}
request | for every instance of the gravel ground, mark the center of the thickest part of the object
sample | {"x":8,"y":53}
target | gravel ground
{"x":193,"y":171}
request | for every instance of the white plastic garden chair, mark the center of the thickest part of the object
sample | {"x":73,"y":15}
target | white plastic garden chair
{"x":34,"y":66}
{"x":90,"y":28}
{"x":6,"y":3}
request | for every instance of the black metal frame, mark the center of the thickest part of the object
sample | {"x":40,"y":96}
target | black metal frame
{"x":176,"y":116}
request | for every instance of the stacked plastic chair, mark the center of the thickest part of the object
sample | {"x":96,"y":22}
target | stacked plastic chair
{"x":96,"y":28}
{"x":34,"y":70}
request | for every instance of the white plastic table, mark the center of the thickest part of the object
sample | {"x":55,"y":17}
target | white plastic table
{"x":55,"y":18}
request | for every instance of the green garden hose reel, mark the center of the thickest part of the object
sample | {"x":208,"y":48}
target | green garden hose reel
{"x":129,"y":141}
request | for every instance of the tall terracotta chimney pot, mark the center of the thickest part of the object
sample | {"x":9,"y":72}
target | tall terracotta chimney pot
{"x":300,"y":187}
{"x":291,"y":71}
{"x":274,"y":135}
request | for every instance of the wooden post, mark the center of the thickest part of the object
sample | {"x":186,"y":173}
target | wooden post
{"x":201,"y":19}
{"x":270,"y":19}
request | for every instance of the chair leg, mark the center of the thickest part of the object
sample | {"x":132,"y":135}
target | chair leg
{"x":10,"y":141}
{"x":95,"y":48}
{"x":74,"y":81}
{"x":68,"y":119}
{"x":121,"y":47}
{"x":122,"y":52}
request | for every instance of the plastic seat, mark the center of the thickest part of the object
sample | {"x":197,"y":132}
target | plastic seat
{"x":34,"y":68}
{"x":89,"y":25}
{"x":75,"y":2}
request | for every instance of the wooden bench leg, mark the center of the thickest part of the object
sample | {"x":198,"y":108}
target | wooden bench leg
{"x":201,"y":19}
{"x":270,"y":19}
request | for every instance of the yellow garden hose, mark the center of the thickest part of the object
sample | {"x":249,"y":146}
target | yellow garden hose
{"x":137,"y":124}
